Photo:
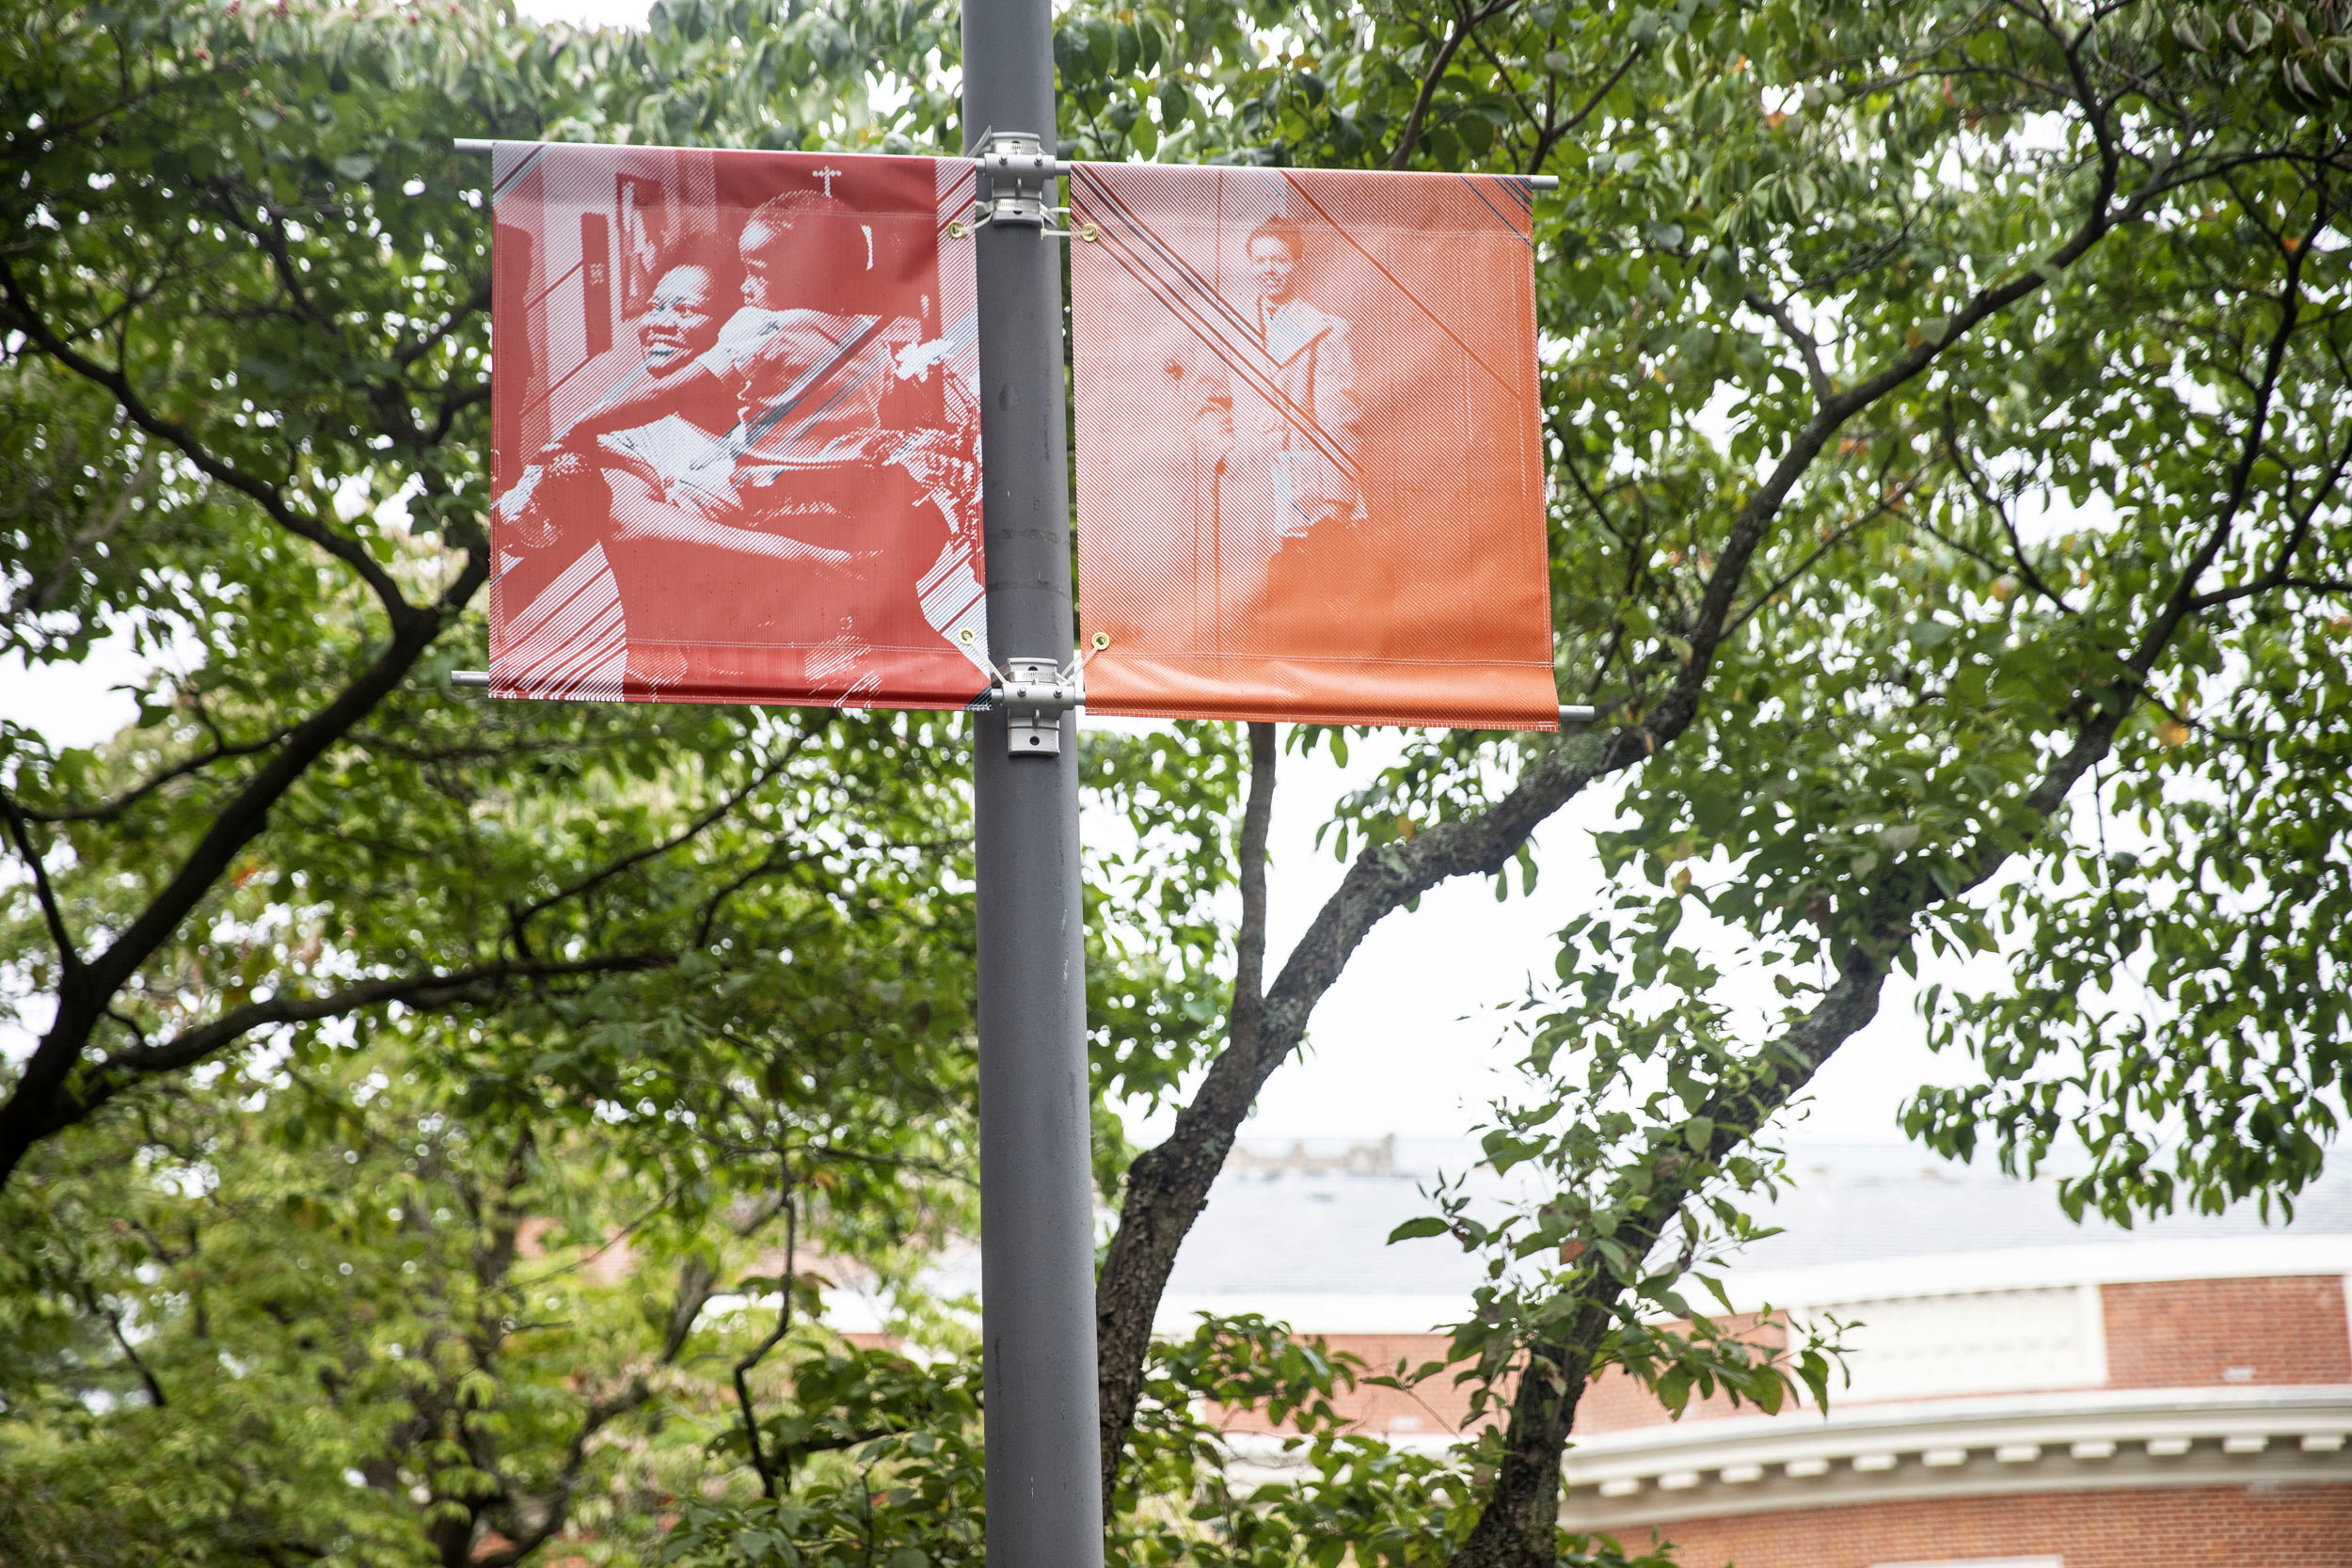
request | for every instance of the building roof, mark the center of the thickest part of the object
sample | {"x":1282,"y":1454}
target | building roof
{"x":1301,"y":1231}
{"x":1864,"y":1203}
{"x":1297,"y":1231}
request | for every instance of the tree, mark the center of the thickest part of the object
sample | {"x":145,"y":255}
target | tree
{"x":1930,"y":266}
{"x":340,"y":979}
{"x":1948,"y":417}
{"x":337,"y":972}
{"x":247,"y":295}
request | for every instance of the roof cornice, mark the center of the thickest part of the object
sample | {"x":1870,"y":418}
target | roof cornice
{"x":2091,"y":1440}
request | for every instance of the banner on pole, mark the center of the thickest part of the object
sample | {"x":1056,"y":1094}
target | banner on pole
{"x":1311,"y":468}
{"x":737,"y":440}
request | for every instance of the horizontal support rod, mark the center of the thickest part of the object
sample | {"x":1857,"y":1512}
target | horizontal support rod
{"x":1016,"y":693}
{"x":1028,"y":694}
{"x":1054,"y":167}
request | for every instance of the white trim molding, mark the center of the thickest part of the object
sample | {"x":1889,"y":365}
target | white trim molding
{"x":2061,"y":1442}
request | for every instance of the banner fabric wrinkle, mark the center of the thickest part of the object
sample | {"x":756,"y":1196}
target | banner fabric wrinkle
{"x":735,"y":429}
{"x":1309,"y":454}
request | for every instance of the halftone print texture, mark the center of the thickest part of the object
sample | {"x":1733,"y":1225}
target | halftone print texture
{"x":1311,"y":468}
{"x":735,"y":434}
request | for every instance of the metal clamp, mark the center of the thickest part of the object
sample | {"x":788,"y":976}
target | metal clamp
{"x":1016,"y":187}
{"x":1036,"y":692}
{"x":1016,"y":179}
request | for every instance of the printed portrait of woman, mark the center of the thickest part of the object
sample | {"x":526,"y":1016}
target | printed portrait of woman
{"x":1284,"y":444}
{"x":562,"y":593}
{"x":775,"y":497}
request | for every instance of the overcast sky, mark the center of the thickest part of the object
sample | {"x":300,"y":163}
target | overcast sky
{"x":589,"y":14}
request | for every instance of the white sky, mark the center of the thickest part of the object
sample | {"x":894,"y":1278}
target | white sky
{"x":588,"y":13}
{"x":1408,"y":1042}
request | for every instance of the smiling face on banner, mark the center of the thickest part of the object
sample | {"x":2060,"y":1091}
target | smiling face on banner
{"x":737,"y":439}
{"x":1310,"y":467}
{"x":682,"y":318}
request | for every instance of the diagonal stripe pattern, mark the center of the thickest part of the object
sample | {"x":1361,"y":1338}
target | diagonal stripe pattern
{"x":1311,"y":465}
{"x":735,"y":429}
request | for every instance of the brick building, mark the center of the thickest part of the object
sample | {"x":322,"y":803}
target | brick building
{"x":2024,"y":1393}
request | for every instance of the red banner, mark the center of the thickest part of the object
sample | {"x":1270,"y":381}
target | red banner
{"x":737,"y":438}
{"x":1311,"y":465}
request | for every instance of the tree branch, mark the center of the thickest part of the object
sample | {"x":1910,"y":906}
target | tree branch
{"x":597,"y":879}
{"x":46,"y":594}
{"x":122,"y":1342}
{"x":1409,"y":137}
{"x":1249,"y":942}
{"x":2026,"y":570}
{"x":767,"y":1471}
{"x":1519,"y":1526}
{"x":1579,"y":117}
{"x":2098,"y":734}
{"x":529,"y":1522}
{"x":107,"y":811}
{"x":1138,"y":1264}
{"x":1807,"y":346}
{"x":32,"y":1107}
{"x":473,"y":304}
{"x":434,"y":990}
{"x":350,"y":552}
{"x":69,"y":959}
{"x":1887,"y":503}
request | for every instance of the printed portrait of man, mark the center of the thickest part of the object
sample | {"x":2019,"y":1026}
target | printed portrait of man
{"x":1309,"y":466}
{"x":770,"y":499}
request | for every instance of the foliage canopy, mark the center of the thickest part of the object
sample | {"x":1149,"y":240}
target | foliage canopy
{"x":1949,"y":413}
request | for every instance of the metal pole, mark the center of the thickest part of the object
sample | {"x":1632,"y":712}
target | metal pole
{"x":1037,"y":1188}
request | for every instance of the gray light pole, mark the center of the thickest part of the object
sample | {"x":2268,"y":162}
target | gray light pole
{"x":1037,"y":1212}
{"x":1037,"y":1190}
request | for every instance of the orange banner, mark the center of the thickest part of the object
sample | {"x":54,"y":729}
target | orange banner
{"x":1310,"y":466}
{"x":737,"y":438}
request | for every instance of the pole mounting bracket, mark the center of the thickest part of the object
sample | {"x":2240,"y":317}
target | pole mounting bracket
{"x":1036,"y":692}
{"x":1015,"y":187}
{"x":1016,"y":180}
